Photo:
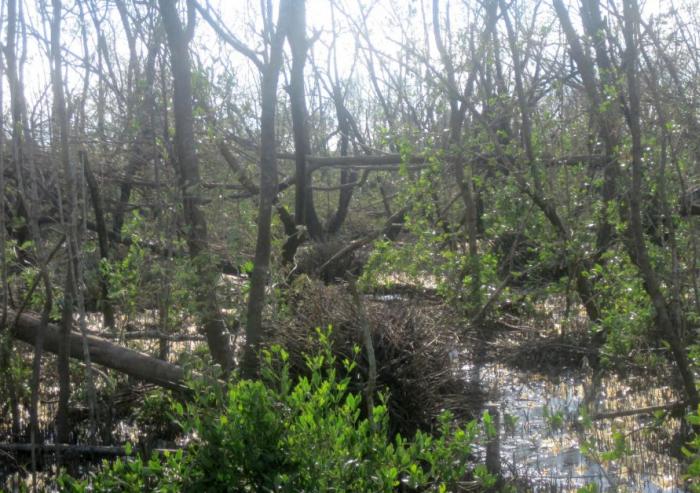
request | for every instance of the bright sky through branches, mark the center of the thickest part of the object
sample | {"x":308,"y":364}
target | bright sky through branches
{"x":390,"y":24}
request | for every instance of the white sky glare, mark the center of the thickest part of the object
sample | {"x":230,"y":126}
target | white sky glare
{"x":388,"y":24}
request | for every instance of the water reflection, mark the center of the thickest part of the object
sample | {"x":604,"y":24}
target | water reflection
{"x":546,"y":442}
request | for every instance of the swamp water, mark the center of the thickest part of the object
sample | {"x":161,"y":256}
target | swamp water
{"x":543,"y":441}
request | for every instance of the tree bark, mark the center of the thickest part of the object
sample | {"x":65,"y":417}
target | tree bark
{"x":304,"y":211}
{"x":102,"y":352}
{"x":636,"y":243}
{"x":458,"y":109}
{"x":606,"y":115}
{"x":102,"y":239}
{"x":187,"y":167}
{"x":348,"y":178}
{"x":61,"y":128}
{"x":268,"y":188}
{"x":142,"y":147}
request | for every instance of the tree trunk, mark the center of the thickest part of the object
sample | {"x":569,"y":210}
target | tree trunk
{"x":102,"y":352}
{"x":143,"y":143}
{"x":636,"y":243}
{"x":305,"y":216}
{"x":268,"y":188}
{"x":347,"y":177}
{"x":607,"y":116}
{"x":61,"y":129}
{"x":455,"y":151}
{"x":102,"y":239}
{"x":187,"y":167}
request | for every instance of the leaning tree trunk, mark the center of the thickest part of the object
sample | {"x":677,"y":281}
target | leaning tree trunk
{"x":607,"y":116}
{"x":29,"y":327}
{"x":187,"y":168}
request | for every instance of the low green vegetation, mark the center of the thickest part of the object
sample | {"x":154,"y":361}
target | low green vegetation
{"x":310,"y":434}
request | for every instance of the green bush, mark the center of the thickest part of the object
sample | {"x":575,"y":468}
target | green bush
{"x":309,"y":435}
{"x":692,"y":453}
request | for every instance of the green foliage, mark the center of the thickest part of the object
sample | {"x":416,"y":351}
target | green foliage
{"x":555,"y":419}
{"x":589,"y":488}
{"x":627,"y":313}
{"x":435,"y":255}
{"x":239,"y":444}
{"x":127,"y":276}
{"x":153,"y":416}
{"x":510,"y":422}
{"x":124,"y":277}
{"x":138,"y":281}
{"x":619,"y":450}
{"x":692,"y":453}
{"x":308,"y":435}
{"x":132,"y":475}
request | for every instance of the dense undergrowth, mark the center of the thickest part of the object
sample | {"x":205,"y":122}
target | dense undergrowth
{"x":308,"y":434}
{"x":532,"y":165}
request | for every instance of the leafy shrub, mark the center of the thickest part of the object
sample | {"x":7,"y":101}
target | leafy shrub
{"x":132,"y":475}
{"x":308,"y":435}
{"x":692,"y":452}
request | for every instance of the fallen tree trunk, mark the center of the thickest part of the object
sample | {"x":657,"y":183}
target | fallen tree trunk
{"x":67,"y":450}
{"x":102,"y":352}
{"x":387,"y":161}
{"x":673,"y":406}
{"x":148,"y":335}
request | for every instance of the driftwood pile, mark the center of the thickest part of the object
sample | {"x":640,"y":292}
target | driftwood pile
{"x":415,"y":345}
